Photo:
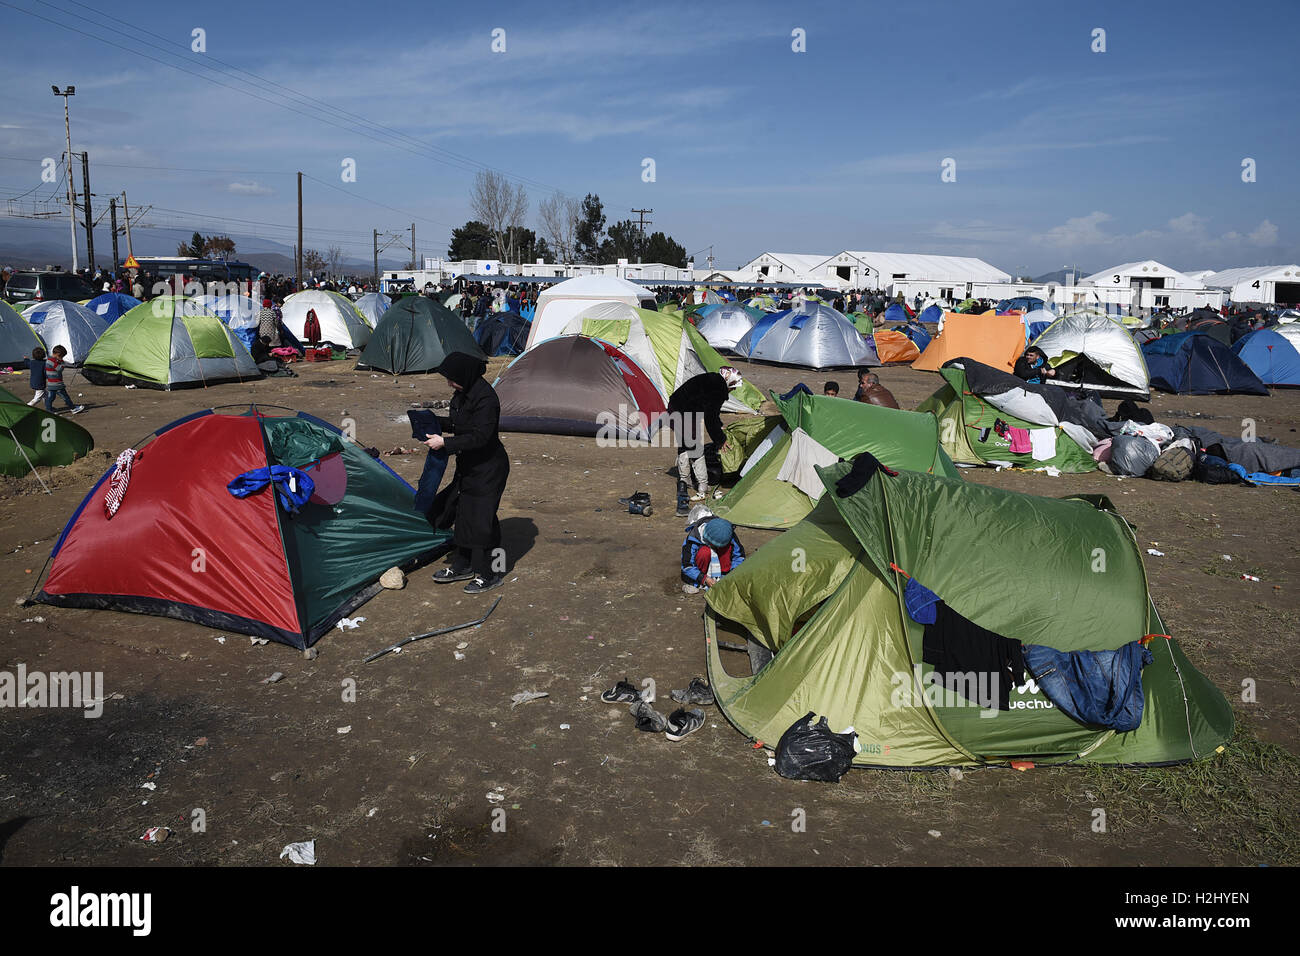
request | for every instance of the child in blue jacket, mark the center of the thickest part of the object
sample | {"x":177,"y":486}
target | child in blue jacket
{"x":711,"y":549}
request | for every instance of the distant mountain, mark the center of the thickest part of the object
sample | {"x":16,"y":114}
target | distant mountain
{"x":27,"y":244}
{"x":1059,"y":275}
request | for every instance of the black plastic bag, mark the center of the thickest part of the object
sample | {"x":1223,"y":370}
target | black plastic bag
{"x":809,"y":751}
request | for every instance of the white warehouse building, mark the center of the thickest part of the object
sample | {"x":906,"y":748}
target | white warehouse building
{"x":1271,"y":285}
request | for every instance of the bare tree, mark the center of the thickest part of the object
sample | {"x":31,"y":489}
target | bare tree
{"x":560,"y":214}
{"x":334,"y":256}
{"x":502,"y":207}
{"x":312,"y":260}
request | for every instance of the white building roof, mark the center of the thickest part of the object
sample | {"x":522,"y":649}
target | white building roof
{"x":921,"y":266}
{"x":1231,"y":277}
{"x":797,"y":262}
{"x":1140,"y":269}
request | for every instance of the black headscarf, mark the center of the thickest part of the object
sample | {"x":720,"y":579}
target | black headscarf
{"x":462,"y":369}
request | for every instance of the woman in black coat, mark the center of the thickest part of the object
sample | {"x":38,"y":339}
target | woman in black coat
{"x":469,"y":502}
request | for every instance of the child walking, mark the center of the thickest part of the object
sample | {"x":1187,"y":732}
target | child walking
{"x":54,"y":381}
{"x":37,"y":366}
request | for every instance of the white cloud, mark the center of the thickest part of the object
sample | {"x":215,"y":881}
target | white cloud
{"x":250,"y":189}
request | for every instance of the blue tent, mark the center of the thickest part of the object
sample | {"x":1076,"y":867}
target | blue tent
{"x":1191,"y":363}
{"x":1273,"y":357}
{"x":502,"y":333}
{"x":932,"y":314}
{"x":112,"y":305}
{"x":917,"y":333}
{"x":896,"y":313}
{"x":1020,"y":303}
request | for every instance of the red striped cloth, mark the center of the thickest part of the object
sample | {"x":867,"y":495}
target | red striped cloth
{"x":118,"y":482}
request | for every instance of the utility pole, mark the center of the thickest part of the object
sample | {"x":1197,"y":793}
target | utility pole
{"x":72,"y":196}
{"x":112,"y":222}
{"x":298,"y":252}
{"x":414,"y":264}
{"x":376,"y":249}
{"x":641,"y":213}
{"x":126,"y":214}
{"x":90,"y":227}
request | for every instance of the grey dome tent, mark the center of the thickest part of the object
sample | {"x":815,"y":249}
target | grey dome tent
{"x":725,"y":325}
{"x":415,"y":335}
{"x":64,"y":323}
{"x":815,"y":336}
{"x":372,"y":306}
{"x":16,"y":338}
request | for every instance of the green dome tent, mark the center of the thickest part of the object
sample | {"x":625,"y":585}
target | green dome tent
{"x":414,"y":335}
{"x":32,"y":436}
{"x":763,"y":499}
{"x":169,"y":342}
{"x":845,"y":647}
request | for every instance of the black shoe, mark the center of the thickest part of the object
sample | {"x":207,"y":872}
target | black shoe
{"x":649,"y":719}
{"x":641,"y":507}
{"x":481,"y":584}
{"x":697,"y":692}
{"x":635,"y":496}
{"x":683,"y":722}
{"x":621,"y":693}
{"x":448,"y":575}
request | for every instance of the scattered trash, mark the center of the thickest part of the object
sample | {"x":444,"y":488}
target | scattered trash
{"x":274,"y":678}
{"x":442,"y":630}
{"x":955,"y":773}
{"x":149,"y":786}
{"x":156,"y":835}
{"x":456,"y":654}
{"x":221,"y":639}
{"x":1155,"y":553}
{"x":349,"y":623}
{"x":1249,"y":577}
{"x":34,"y":620}
{"x":373,"y":811}
{"x":1227,"y":557}
{"x":564,"y":726}
{"x":257,"y":641}
{"x":766,"y":823}
{"x":524,"y":696}
{"x":462,"y":645}
{"x":345,"y":730}
{"x":934,"y":833}
{"x":812,"y":751}
{"x":304,"y":853}
{"x":201,"y":742}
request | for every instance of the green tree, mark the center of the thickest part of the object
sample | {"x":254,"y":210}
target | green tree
{"x":218,"y":247}
{"x":623,"y":242}
{"x":662,"y":248}
{"x":591,"y":230}
{"x":474,"y":240}
{"x":193,"y":249}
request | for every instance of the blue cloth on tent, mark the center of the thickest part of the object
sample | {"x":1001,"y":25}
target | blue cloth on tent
{"x":920,"y":601}
{"x":1102,"y":688}
{"x":799,"y":320}
{"x":292,"y":486}
{"x":800,"y":388}
{"x":435,"y":466}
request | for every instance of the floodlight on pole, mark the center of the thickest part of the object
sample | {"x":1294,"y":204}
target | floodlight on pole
{"x":72,"y":201}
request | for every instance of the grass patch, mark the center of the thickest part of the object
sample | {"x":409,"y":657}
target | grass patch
{"x":1242,"y":801}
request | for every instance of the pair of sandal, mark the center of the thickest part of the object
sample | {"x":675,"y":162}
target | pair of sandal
{"x":680,"y":723}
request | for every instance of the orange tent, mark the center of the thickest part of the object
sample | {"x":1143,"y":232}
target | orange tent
{"x":893,"y":347}
{"x":995,"y":340}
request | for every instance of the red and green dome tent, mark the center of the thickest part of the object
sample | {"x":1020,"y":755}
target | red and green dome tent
{"x":181,"y":545}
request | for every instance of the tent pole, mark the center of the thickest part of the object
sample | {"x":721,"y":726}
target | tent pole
{"x":19,"y":446}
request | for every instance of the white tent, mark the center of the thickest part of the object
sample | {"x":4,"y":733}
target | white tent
{"x":562,"y":301}
{"x":725,"y":326}
{"x":340,"y":322}
{"x":1094,"y":352}
{"x":73,"y":326}
{"x":372,"y":306}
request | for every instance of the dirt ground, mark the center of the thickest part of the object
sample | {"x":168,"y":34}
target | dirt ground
{"x":594,"y":596}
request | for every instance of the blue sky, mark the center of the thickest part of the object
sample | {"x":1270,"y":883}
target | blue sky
{"x":1062,"y":155}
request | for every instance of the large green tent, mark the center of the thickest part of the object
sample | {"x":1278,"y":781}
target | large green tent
{"x":169,"y":342}
{"x":967,"y":433}
{"x":899,"y":439}
{"x":32,"y":436}
{"x":845,"y":647}
{"x":414,"y":335}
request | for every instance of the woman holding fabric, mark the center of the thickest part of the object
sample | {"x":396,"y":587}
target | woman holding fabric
{"x":469,"y":503}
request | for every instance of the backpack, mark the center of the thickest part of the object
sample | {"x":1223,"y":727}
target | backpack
{"x":1173,"y":464}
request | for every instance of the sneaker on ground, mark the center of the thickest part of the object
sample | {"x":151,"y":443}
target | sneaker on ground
{"x":649,"y":719}
{"x":481,"y":584}
{"x":718,"y":494}
{"x":699,"y":495}
{"x":690,"y":589}
{"x":79,"y":409}
{"x":448,"y":575}
{"x":697,"y":692}
{"x":621,"y":693}
{"x":682,"y":722}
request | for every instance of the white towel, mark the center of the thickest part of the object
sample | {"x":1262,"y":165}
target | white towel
{"x":798,"y":467}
